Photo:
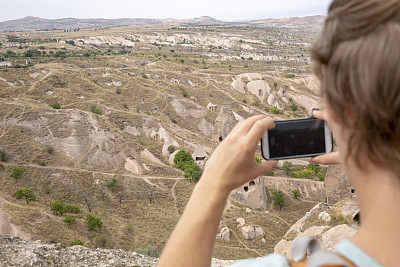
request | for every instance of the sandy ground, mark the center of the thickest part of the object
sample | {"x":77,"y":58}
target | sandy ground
{"x":6,"y":227}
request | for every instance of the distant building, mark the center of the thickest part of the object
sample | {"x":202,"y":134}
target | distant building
{"x":200,"y":156}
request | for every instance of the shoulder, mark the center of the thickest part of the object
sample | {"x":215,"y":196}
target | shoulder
{"x":274,"y":260}
{"x":355,"y":254}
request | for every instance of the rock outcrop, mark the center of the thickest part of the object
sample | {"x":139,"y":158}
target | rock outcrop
{"x":259,"y":88}
{"x":252,"y":195}
{"x":252,"y":232}
{"x":17,"y":252}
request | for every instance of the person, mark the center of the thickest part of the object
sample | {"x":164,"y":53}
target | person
{"x":357,"y":58}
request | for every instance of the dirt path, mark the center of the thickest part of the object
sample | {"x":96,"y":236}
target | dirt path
{"x":6,"y":227}
{"x":174,"y":196}
{"x":34,"y":85}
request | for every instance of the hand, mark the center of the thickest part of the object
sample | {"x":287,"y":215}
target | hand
{"x":233,"y":162}
{"x":329,"y":158}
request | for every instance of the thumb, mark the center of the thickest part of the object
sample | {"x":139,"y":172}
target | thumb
{"x":264,"y":168}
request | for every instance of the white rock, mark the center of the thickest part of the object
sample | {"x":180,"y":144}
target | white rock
{"x":280,"y":92}
{"x":248,"y":210}
{"x":252,"y":232}
{"x":272,"y":101}
{"x":148,"y":155}
{"x":263,"y":240}
{"x":241,"y":222}
{"x":225,"y":234}
{"x":324,"y":216}
{"x":133,"y":166}
{"x":239,"y":86}
{"x":284,"y":99}
{"x":259,"y":88}
{"x":334,"y":235}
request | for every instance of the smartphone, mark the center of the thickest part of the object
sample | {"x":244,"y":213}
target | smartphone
{"x":298,"y":138}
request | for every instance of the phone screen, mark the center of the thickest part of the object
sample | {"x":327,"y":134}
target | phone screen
{"x":297,"y":137}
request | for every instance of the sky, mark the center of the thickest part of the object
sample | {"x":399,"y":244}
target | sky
{"x":226,"y":10}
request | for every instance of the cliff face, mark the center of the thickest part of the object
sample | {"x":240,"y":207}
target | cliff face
{"x":17,"y":252}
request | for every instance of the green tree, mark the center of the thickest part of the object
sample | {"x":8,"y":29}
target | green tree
{"x":94,"y":222}
{"x":58,"y":208}
{"x":17,"y":173}
{"x":275,"y":84}
{"x":27,"y":194}
{"x":181,"y":158}
{"x":193,"y":172}
{"x":113,"y":183}
{"x":71,"y":209}
{"x":69,"y":220}
{"x":279,"y":200}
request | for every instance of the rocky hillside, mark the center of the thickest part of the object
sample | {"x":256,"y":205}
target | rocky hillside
{"x":90,"y":122}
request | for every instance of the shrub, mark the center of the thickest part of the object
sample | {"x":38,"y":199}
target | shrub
{"x":244,"y":101}
{"x":72,"y":209}
{"x":69,"y":220}
{"x":56,"y":105}
{"x":306,"y":173}
{"x":275,"y":84}
{"x":112,"y":184}
{"x":27,"y":194}
{"x":94,"y":222}
{"x":50,"y":149}
{"x":291,"y":76}
{"x":181,"y":158}
{"x":151,"y":251}
{"x":279,"y":201}
{"x":314,"y":167}
{"x":76,"y":243}
{"x":144,"y":76}
{"x":258,"y":160}
{"x":125,"y":105}
{"x":296,"y":193}
{"x":293,"y":107}
{"x":171,"y":149}
{"x":274,"y":110}
{"x":17,"y":173}
{"x":271,"y":173}
{"x":118,"y":90}
{"x":95,"y":109}
{"x":287,"y":167}
{"x":3,"y":156}
{"x":321,"y":175}
{"x":58,"y":208}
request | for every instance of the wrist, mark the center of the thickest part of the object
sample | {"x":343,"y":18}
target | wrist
{"x":214,"y":189}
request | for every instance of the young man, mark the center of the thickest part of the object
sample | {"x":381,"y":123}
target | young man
{"x":358,"y":61}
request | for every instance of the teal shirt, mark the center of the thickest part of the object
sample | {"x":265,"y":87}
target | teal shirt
{"x":345,"y":248}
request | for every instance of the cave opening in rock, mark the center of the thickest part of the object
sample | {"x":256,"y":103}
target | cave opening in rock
{"x":246,"y":188}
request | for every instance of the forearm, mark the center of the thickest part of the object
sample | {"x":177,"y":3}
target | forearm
{"x":192,"y":241}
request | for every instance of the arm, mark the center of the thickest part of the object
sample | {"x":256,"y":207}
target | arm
{"x":231,"y":165}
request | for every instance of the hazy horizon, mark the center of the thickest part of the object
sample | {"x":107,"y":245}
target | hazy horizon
{"x":234,"y":10}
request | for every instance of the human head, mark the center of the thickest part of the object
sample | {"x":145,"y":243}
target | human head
{"x":357,"y":57}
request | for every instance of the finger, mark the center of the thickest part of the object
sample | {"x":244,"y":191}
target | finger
{"x":320,"y":114}
{"x":264,"y":168}
{"x":258,"y":130}
{"x":326,"y":159}
{"x":244,"y":126}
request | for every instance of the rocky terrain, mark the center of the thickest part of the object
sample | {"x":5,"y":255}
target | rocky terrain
{"x":93,"y":119}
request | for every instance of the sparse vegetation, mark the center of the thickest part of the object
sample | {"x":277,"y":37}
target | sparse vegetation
{"x":3,"y":156}
{"x":56,"y":105}
{"x":274,"y":110}
{"x":50,"y":149}
{"x":95,"y":110}
{"x":296,"y":193}
{"x":76,"y":243}
{"x":151,"y":251}
{"x":171,"y":149}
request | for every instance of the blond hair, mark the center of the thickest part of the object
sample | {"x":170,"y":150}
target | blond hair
{"x":359,"y":48}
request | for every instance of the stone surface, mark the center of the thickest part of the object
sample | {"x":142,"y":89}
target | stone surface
{"x":334,"y":235}
{"x":252,"y":232}
{"x":251,"y":195}
{"x":133,"y":166}
{"x":224,"y":124}
{"x":272,"y":101}
{"x":248,"y":210}
{"x":225,"y":234}
{"x":239,"y":86}
{"x":259,"y":88}
{"x":337,"y":185}
{"x":146,"y":154}
{"x":324,"y":216}
{"x":241,"y":222}
{"x":206,"y":127}
{"x":17,"y":252}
